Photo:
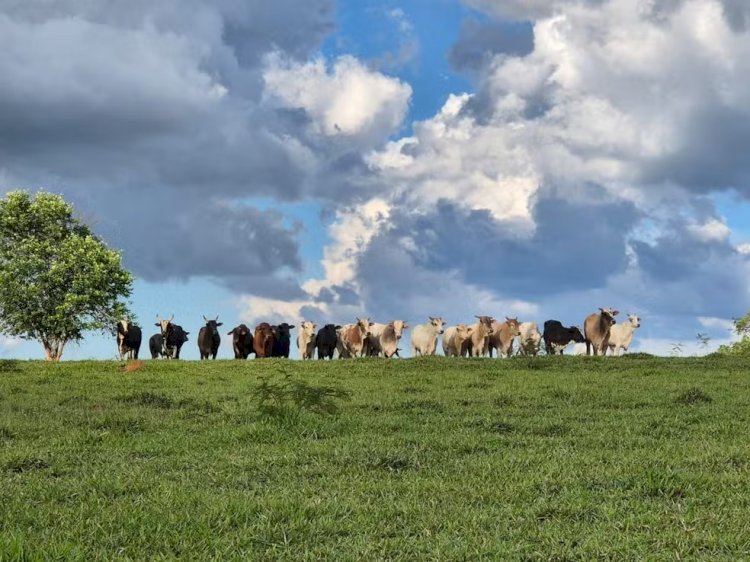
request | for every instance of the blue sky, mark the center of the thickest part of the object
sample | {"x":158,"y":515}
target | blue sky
{"x":333,"y":159}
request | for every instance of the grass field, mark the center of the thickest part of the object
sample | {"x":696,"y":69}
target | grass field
{"x":551,"y":458}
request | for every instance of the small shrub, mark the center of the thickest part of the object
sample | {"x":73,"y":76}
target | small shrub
{"x":289,"y":398}
{"x":693,"y":396}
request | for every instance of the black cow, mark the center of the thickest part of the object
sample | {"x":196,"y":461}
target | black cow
{"x":209,"y":338}
{"x":172,"y":338}
{"x":128,"y":339}
{"x":282,"y":338}
{"x":556,"y":336}
{"x":326,"y":341}
{"x":156,"y":345}
{"x":242,"y":341}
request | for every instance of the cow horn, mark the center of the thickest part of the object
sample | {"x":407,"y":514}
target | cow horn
{"x":204,"y":317}
{"x":171,"y":317}
{"x":217,"y":318}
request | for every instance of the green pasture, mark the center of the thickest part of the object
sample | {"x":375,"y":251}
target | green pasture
{"x":551,"y":458}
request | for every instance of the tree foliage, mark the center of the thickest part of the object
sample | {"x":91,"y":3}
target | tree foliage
{"x":742,"y":329}
{"x":57,"y":279}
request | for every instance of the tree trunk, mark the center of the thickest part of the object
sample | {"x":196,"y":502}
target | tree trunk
{"x":53,"y":350}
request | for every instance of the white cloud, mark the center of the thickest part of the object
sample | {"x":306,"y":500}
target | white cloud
{"x":350,"y":234}
{"x":712,"y":231}
{"x":348,"y":100}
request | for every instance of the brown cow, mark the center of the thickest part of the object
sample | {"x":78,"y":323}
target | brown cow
{"x":502,"y":337}
{"x":476,"y":346}
{"x":263,"y":340}
{"x":352,"y":338}
{"x":596,"y":330}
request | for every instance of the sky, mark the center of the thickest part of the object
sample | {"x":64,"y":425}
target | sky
{"x":332,"y":159}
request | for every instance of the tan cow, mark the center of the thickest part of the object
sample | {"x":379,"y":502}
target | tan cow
{"x":454,"y":339}
{"x":476,"y":345}
{"x":596,"y":330}
{"x":306,"y":340}
{"x":352,"y":338}
{"x":502,"y":337}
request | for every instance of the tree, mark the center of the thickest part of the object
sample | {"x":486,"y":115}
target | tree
{"x":57,"y":279}
{"x":742,"y":329}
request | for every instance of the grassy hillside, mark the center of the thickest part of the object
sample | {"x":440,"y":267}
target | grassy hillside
{"x":551,"y":458}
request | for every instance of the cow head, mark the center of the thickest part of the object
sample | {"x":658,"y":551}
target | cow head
{"x":364,"y":325}
{"x":513,"y":326}
{"x":575,"y":334}
{"x":165,"y":325}
{"x":283,"y":330}
{"x":609,"y":315}
{"x":634,"y":320}
{"x":487,"y":322}
{"x":464,"y":332}
{"x":438,"y":323}
{"x":212,"y":326}
{"x":398,"y":328}
{"x":308,"y":327}
{"x":240,"y":331}
{"x":122,"y":327}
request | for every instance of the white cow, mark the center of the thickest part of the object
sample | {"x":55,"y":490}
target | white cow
{"x":529,"y":339}
{"x":306,"y":339}
{"x":424,"y":337}
{"x":621,"y":335}
{"x":384,"y":338}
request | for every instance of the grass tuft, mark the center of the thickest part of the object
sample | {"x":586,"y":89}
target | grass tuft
{"x":25,"y":464}
{"x":693,"y":396}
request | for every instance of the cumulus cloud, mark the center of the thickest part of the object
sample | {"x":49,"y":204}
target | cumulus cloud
{"x":577,"y":176}
{"x":350,"y":101}
{"x":156,"y":114}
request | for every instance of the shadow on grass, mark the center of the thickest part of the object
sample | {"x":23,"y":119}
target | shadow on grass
{"x":10,"y":366}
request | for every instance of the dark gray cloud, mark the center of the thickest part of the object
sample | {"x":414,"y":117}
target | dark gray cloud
{"x":149,"y":116}
{"x":478,"y":41}
{"x":559,"y":256}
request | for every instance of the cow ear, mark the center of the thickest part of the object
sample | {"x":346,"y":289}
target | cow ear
{"x":291,"y":327}
{"x":157,"y":324}
{"x":615,"y":312}
{"x":230,"y":333}
{"x":372,"y":323}
{"x":220,"y":323}
{"x":337,"y":327}
{"x":406,"y":327}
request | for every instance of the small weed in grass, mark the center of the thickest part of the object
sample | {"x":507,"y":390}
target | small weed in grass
{"x":395,"y":463}
{"x":500,"y":427}
{"x":25,"y":464}
{"x":693,"y":396}
{"x":502,"y":401}
{"x":6,"y":434}
{"x":424,"y":405}
{"x":149,"y":399}
{"x":553,"y":430}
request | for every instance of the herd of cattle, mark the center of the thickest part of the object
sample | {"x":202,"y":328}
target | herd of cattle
{"x":364,"y":338}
